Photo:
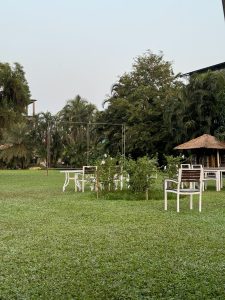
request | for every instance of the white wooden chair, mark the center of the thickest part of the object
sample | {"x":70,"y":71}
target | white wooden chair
{"x":187,"y":177}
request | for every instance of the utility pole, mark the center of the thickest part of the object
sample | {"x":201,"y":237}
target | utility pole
{"x":88,"y":142}
{"x":123,"y":140}
{"x":48,"y":149}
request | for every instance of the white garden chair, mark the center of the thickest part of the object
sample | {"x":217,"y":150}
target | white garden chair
{"x":185,"y":185}
{"x":88,"y":176}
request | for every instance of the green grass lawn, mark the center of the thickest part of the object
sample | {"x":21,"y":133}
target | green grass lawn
{"x":56,"y":245}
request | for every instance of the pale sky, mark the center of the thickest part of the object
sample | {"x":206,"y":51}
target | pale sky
{"x":70,"y":47}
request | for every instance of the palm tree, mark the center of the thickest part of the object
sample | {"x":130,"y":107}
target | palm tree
{"x":205,"y":95}
{"x":18,"y":150}
{"x":223,"y":3}
{"x":14,"y":93}
{"x":75,"y":120}
{"x":46,"y":133}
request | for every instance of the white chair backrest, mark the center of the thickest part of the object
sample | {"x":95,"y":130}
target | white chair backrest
{"x":89,"y":169}
{"x":185,"y":166}
{"x":196,"y":166}
{"x":190,"y":175}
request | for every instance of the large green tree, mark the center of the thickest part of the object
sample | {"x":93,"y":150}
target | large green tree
{"x":14,"y":99}
{"x":14,"y":96}
{"x":14,"y":93}
{"x":141,"y":100}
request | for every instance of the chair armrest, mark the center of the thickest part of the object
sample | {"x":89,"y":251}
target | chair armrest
{"x":171,"y":180}
{"x":167,"y":181}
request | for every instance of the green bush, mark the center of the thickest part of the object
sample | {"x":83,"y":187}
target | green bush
{"x":138,"y":175}
{"x":109,"y":169}
{"x":142,"y":173}
{"x":173,"y":164}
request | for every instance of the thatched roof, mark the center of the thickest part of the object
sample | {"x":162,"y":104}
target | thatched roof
{"x":203,"y":141}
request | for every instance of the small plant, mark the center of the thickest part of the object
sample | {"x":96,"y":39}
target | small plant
{"x":173,"y":164}
{"x":137,"y":175}
{"x":109,"y":170}
{"x":142,"y":173}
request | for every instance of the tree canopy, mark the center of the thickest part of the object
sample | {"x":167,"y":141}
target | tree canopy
{"x":204,"y":104}
{"x":78,"y":136}
{"x":14,"y":93}
{"x":157,"y":108}
{"x":141,"y":99}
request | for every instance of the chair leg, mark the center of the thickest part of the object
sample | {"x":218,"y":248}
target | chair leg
{"x":191,"y":201}
{"x":218,"y":181}
{"x":75,"y":182}
{"x":165,"y":200}
{"x":200,"y":202}
{"x":178,"y":202}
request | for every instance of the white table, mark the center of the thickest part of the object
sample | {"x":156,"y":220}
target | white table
{"x":72,"y":175}
{"x":218,"y":174}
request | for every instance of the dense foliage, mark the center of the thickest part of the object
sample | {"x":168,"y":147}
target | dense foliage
{"x":204,"y":108}
{"x":18,"y":146}
{"x":142,"y":173}
{"x":140,"y":99}
{"x":157,"y":108}
{"x":14,"y":93}
{"x":78,"y":132}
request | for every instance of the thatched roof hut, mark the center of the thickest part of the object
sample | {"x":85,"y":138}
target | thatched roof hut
{"x":204,"y":141}
{"x":207,"y":150}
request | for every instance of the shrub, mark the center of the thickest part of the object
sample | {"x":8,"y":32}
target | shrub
{"x":142,"y":173}
{"x":173,"y":164}
{"x":109,"y":169}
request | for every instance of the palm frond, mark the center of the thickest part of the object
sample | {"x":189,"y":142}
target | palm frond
{"x":223,"y":3}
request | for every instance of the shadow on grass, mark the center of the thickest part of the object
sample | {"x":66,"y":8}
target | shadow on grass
{"x":130,"y":195}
